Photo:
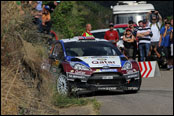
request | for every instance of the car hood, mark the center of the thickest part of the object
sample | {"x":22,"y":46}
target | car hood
{"x":101,"y":61}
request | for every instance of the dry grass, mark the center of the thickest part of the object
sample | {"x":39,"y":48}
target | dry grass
{"x":25,"y":87}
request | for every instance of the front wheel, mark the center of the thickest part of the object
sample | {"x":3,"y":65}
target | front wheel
{"x":63,"y":86}
{"x":139,"y":85}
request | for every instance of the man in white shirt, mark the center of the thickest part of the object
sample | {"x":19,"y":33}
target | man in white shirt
{"x":154,"y":23}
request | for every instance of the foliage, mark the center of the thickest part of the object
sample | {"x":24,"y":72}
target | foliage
{"x":67,"y":20}
{"x":64,"y":101}
{"x":70,"y":17}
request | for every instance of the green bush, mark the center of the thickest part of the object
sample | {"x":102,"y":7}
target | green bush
{"x":64,"y":101}
{"x":67,"y":19}
{"x":70,"y":17}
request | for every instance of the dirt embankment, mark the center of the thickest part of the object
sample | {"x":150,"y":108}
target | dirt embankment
{"x":25,"y":87}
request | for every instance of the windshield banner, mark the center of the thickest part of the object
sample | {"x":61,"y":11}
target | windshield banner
{"x":102,"y":61}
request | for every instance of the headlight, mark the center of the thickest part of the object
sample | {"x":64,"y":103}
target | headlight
{"x":78,"y":66}
{"x":127,"y":65}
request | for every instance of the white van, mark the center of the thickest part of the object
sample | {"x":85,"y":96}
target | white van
{"x":130,"y":10}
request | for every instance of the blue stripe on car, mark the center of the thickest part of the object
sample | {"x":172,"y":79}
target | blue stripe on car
{"x":63,"y":48}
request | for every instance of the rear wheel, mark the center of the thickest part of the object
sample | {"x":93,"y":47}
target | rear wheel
{"x":63,"y":86}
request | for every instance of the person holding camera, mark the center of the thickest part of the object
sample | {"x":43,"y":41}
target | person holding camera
{"x":165,"y":42}
{"x":171,"y":46}
{"x":155,"y":23}
{"x":144,"y":35}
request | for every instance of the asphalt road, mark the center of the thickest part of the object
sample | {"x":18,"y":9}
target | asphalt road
{"x":155,"y":98}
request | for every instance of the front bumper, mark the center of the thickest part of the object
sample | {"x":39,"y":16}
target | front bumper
{"x":97,"y":82}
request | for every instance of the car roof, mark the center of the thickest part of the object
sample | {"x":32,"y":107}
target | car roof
{"x":100,"y":30}
{"x":76,"y":39}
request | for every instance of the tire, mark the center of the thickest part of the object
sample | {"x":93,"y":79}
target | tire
{"x":139,"y":85}
{"x":63,"y":86}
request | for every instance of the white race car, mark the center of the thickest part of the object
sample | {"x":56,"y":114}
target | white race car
{"x":93,"y":64}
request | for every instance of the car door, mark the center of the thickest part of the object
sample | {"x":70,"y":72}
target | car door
{"x":56,"y":57}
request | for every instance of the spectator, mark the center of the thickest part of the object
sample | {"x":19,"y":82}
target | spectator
{"x":144,"y":38}
{"x":45,"y":23}
{"x":112,"y":35}
{"x":140,"y":23}
{"x":129,"y":39}
{"x":19,"y":4}
{"x":165,"y":42}
{"x":53,"y":5}
{"x":134,"y":32}
{"x":30,"y":2}
{"x":171,"y":38}
{"x":37,"y":12}
{"x":164,"y":21}
{"x":88,"y":29}
{"x":39,"y":6}
{"x":155,"y":25}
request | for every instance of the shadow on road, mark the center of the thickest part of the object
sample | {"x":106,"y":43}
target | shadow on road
{"x":101,"y":93}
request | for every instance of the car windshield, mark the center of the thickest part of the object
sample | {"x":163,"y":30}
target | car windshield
{"x":91,"y":49}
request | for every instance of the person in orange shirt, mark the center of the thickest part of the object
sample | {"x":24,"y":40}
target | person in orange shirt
{"x":45,"y":24}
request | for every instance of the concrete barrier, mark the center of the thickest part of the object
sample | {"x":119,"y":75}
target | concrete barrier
{"x":149,"y":69}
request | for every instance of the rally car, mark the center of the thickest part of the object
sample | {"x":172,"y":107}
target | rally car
{"x":93,"y":64}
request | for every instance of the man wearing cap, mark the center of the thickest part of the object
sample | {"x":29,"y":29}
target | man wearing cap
{"x":155,"y":26}
{"x":112,"y":35}
{"x":88,"y":29}
{"x":144,"y":36}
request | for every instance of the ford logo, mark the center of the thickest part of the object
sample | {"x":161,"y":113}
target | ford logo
{"x":106,"y":67}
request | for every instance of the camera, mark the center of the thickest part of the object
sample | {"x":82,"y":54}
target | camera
{"x":151,"y":34}
{"x":152,"y":11}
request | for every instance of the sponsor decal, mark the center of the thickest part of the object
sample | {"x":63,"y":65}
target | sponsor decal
{"x":132,"y":88}
{"x":80,"y":72}
{"x":129,"y":71}
{"x":77,"y":72}
{"x":107,"y":88}
{"x":111,"y":57}
{"x":131,"y":76}
{"x":98,"y":61}
{"x":103,"y":62}
{"x":76,"y":76}
{"x":107,"y":77}
{"x":106,"y":70}
{"x":101,"y":59}
{"x":85,"y":57}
